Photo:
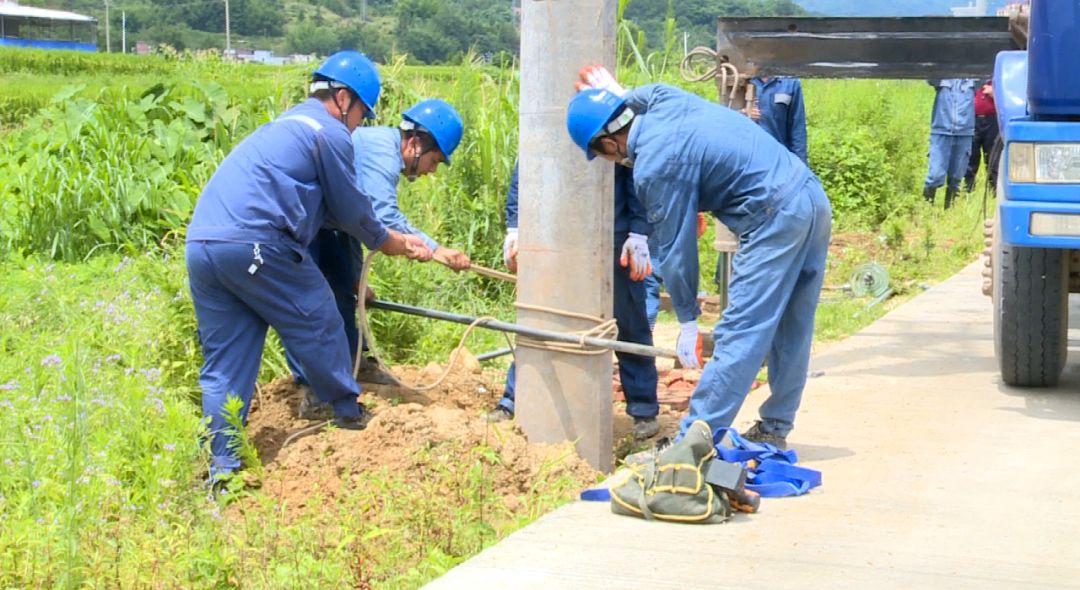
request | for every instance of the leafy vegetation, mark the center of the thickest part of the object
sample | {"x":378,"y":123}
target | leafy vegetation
{"x":98,"y":429}
{"x":102,"y":470}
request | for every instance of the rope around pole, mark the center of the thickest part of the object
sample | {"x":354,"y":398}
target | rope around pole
{"x":602,"y":329}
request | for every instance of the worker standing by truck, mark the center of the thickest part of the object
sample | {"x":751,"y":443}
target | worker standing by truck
{"x":952,"y":125}
{"x":778,"y":107}
{"x":986,"y":134}
{"x":691,"y":155}
{"x":247,"y":245}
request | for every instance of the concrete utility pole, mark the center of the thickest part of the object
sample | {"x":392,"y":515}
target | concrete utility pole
{"x":566,"y":212}
{"x":123,"y":32}
{"x":228,"y":30}
{"x":108,"y":45}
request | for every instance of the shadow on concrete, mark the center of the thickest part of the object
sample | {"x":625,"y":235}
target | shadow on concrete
{"x":1051,"y":403}
{"x":912,"y":354}
{"x":820,"y":452}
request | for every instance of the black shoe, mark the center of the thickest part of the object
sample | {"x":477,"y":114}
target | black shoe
{"x":929,"y":193}
{"x":645,"y":427}
{"x":499,"y":414}
{"x":950,"y":196}
{"x":372,"y":373}
{"x":758,"y":434}
{"x":311,"y":407}
{"x":358,"y":422}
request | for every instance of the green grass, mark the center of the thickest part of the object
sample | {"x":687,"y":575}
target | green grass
{"x":102,"y":467}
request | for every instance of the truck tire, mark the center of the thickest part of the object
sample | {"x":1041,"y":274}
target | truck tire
{"x":1031,"y":312}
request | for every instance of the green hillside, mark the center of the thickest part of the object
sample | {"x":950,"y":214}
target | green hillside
{"x":429,"y":31}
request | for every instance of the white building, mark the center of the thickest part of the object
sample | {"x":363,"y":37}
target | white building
{"x":974,"y":8}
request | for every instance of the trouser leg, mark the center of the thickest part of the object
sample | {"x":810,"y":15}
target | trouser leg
{"x":637,"y":373}
{"x":959,"y":155}
{"x":507,"y":401}
{"x":330,"y":252}
{"x":938,"y":161}
{"x":789,"y":355}
{"x":765,"y":272}
{"x":973,"y":160}
{"x":289,"y":293}
{"x":232,"y":336}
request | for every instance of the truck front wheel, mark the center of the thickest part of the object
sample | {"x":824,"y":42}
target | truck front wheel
{"x":1031,"y":312}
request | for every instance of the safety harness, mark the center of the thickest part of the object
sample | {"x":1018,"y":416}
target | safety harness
{"x":772,"y":473}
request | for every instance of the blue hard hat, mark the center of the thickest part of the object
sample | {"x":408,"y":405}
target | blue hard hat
{"x":587,"y":114}
{"x":439,"y":119}
{"x":354,"y":70}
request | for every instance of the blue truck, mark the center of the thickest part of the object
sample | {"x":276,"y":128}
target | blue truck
{"x":1034,"y":254}
{"x":1033,"y":243}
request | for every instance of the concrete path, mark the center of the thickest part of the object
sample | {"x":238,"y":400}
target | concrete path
{"x":936,"y":476}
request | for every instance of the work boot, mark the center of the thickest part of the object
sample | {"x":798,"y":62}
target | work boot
{"x":645,"y":427}
{"x":499,"y":414}
{"x":358,"y":422}
{"x":950,"y":196}
{"x":758,"y":434}
{"x":929,"y":193}
{"x":311,"y":407}
{"x":372,"y":373}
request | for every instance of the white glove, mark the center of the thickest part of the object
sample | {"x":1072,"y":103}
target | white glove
{"x":510,"y":248}
{"x":689,"y":345}
{"x":599,"y":77}
{"x":635,"y":254}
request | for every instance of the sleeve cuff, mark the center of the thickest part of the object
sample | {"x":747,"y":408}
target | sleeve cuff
{"x":379,"y":239}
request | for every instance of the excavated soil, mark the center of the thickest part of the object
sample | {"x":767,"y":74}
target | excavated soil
{"x":404,"y":423}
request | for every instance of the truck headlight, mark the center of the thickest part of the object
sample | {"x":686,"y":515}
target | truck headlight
{"x":1057,"y":162}
{"x":1021,"y":162}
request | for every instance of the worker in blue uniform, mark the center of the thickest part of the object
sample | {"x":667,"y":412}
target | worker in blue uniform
{"x":952,"y":125}
{"x":429,"y":133}
{"x":779,"y":109}
{"x":632,"y":266}
{"x":691,"y":155}
{"x":247,"y":256}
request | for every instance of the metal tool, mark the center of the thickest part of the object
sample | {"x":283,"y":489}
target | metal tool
{"x":536,"y":333}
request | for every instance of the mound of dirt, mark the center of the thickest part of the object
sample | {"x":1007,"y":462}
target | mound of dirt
{"x":404,"y":425}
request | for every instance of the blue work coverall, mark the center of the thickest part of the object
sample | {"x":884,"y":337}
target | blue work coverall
{"x":249,"y":267}
{"x":691,"y":155}
{"x":378,"y":166}
{"x":783,"y":114}
{"x":637,"y":373}
{"x":952,"y":126}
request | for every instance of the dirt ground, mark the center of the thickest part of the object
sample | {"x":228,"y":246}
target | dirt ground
{"x":403,"y":424}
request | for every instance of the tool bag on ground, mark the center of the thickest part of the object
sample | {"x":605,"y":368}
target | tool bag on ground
{"x":670,"y":485}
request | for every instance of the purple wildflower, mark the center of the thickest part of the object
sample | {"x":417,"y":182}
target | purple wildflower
{"x":52,"y":360}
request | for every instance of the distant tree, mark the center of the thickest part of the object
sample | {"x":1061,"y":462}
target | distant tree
{"x":307,"y":37}
{"x":368,"y":39}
